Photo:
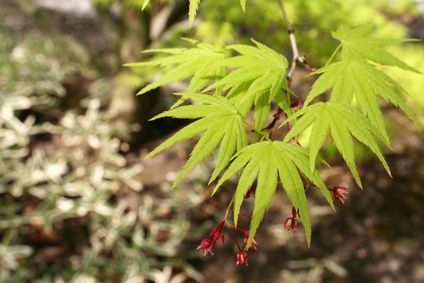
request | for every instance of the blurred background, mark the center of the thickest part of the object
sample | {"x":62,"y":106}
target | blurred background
{"x":79,"y":204}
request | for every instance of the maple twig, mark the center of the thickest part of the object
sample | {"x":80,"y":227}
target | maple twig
{"x":297,"y":58}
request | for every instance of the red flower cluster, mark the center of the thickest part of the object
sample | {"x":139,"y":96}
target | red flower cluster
{"x":207,"y":245}
{"x":241,"y":258}
{"x":340,"y":193}
{"x":291,"y":223}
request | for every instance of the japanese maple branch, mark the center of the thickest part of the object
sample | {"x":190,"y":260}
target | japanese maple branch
{"x":297,"y":58}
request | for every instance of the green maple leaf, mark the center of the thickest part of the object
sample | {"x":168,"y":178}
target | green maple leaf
{"x":359,"y":43}
{"x":258,"y":69}
{"x":343,"y":122}
{"x":220,"y":124}
{"x":270,"y":162}
{"x":257,"y":77}
{"x":201,"y":63}
{"x":354,"y":77}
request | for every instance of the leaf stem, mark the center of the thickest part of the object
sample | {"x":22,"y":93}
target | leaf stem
{"x":333,"y":55}
{"x":256,"y":131}
{"x":227,"y":211}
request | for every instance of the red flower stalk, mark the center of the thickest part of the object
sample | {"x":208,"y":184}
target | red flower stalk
{"x":209,"y":243}
{"x":242,"y":258}
{"x":254,"y":244}
{"x":291,"y":223}
{"x":310,"y":69}
{"x":302,"y":60}
{"x":340,"y":193}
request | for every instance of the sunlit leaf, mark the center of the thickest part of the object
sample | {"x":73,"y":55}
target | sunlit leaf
{"x":271,"y":163}
{"x":220,"y":124}
{"x":342,"y":122}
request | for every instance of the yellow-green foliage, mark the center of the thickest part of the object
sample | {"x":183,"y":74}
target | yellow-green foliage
{"x":254,"y":79}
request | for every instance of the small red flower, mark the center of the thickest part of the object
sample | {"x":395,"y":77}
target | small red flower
{"x":291,"y":223}
{"x":340,"y":193}
{"x":242,"y":258}
{"x":207,"y":245}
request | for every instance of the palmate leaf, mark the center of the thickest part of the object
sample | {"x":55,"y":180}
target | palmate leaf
{"x":201,"y":63}
{"x":349,"y":80}
{"x":360,"y":43}
{"x":258,"y":69}
{"x":343,"y":122}
{"x":257,"y":76}
{"x":355,"y":77}
{"x":220,"y":124}
{"x":270,"y":162}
